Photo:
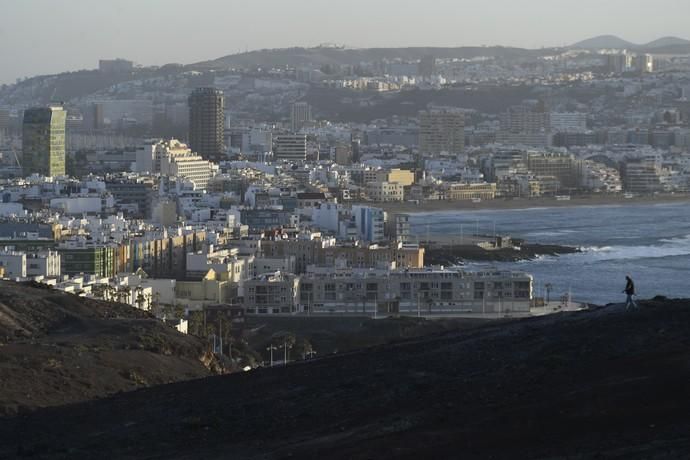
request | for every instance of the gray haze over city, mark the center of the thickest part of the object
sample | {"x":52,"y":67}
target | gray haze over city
{"x":76,"y":33}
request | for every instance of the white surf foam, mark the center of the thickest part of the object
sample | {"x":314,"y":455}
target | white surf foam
{"x":673,"y":247}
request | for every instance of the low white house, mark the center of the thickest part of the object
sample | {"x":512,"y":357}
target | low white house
{"x":14,"y":263}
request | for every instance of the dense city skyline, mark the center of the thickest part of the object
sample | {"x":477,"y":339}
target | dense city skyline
{"x":158,"y":32}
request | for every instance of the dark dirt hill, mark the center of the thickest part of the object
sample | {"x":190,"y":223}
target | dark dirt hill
{"x":603,"y":383}
{"x":57,"y":348}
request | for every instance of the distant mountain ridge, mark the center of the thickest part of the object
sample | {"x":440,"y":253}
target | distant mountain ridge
{"x":667,"y":41}
{"x":298,"y":56}
{"x":603,"y":41}
{"x":67,"y":86}
{"x":612,"y":41}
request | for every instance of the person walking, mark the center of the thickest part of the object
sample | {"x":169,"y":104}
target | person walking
{"x":630,"y":292}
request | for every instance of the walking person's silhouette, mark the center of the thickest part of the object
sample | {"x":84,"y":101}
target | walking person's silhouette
{"x":630,"y":292}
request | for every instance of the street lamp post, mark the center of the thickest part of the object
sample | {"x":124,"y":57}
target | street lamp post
{"x":220,"y":336}
{"x":271,"y":348}
{"x":548,"y":287}
{"x":285,"y":348}
{"x":376,"y":305}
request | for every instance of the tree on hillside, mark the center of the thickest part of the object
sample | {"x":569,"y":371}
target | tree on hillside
{"x":98,"y":291}
{"x":140,"y":299}
{"x":304,"y":348}
{"x":109,"y":292}
{"x":285,"y":341}
{"x":123,"y":294}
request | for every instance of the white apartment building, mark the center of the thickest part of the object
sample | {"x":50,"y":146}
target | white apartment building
{"x":265,"y":265}
{"x":225,"y":263}
{"x":645,"y":63}
{"x":414,"y":291}
{"x":85,"y":204}
{"x":189,"y":166}
{"x":600,"y":178}
{"x":568,"y":122}
{"x":370,"y":223}
{"x":45,"y":264}
{"x":326,"y":217}
{"x":150,"y":155}
{"x":173,"y":158}
{"x":434,"y":291}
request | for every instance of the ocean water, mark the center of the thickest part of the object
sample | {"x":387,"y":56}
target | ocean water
{"x":649,"y":242}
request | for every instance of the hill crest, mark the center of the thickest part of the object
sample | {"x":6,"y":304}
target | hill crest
{"x":615,"y":42}
{"x":600,"y":383}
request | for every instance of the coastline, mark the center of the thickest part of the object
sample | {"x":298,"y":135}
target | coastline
{"x":527,"y":203}
{"x":454,"y":254}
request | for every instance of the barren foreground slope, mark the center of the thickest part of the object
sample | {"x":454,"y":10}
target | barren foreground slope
{"x":597,"y":384}
{"x":57,"y":348}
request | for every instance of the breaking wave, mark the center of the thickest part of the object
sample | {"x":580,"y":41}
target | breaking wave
{"x":672,"y":247}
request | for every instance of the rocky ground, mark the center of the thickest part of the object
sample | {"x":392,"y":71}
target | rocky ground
{"x":453,"y":254}
{"x":57,"y":348}
{"x":603,"y":383}
{"x":327,"y":335}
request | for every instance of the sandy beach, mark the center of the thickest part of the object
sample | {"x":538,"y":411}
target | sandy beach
{"x":525,"y":203}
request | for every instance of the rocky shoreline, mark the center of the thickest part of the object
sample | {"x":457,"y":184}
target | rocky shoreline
{"x":456,"y":254}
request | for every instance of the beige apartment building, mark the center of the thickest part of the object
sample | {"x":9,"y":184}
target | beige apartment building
{"x":466,"y":192}
{"x":384,"y":192}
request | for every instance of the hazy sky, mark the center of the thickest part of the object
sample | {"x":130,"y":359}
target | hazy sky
{"x":50,"y":36}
